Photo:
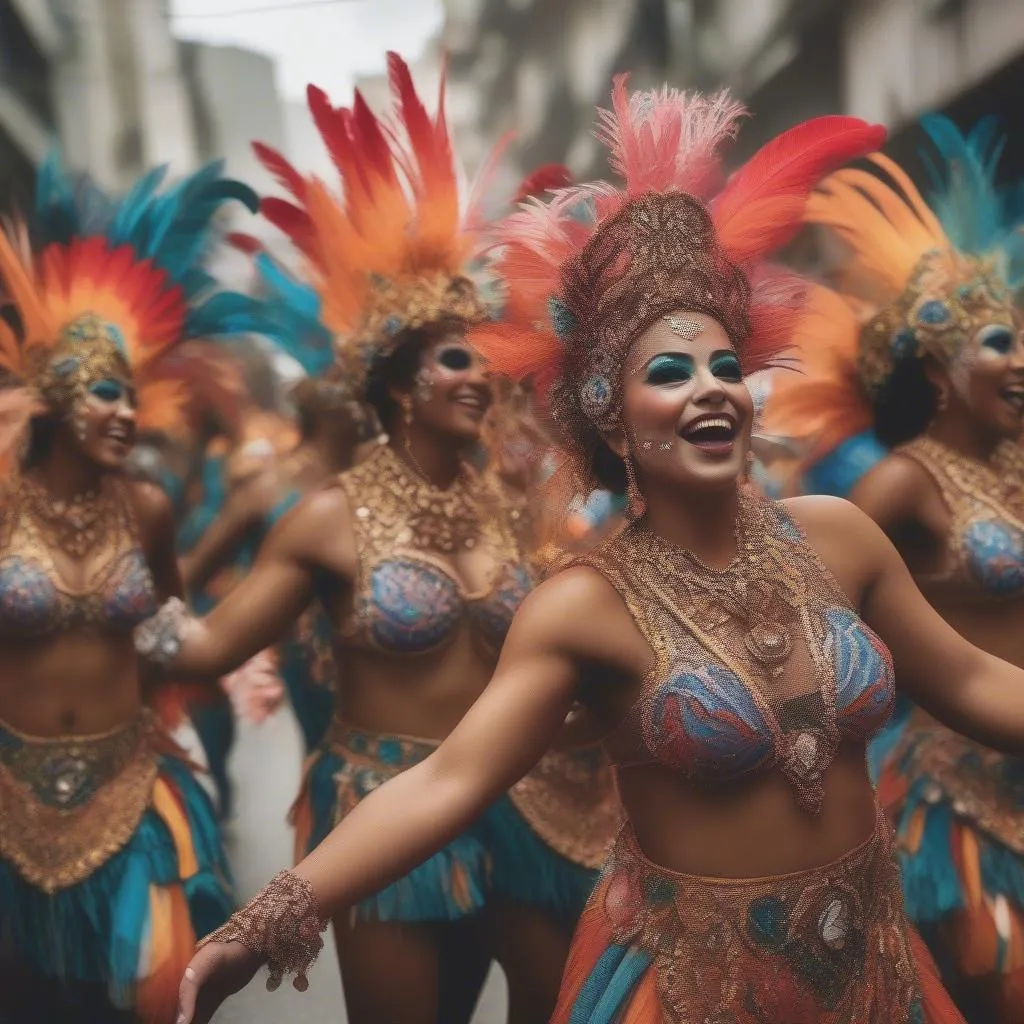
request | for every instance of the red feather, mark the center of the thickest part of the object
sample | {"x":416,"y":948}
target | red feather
{"x":544,"y":179}
{"x":295,"y":223}
{"x":244,"y":243}
{"x":278,"y":166}
{"x":761,"y":207}
{"x":330,"y":123}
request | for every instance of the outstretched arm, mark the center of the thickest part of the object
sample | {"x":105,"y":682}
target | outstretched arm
{"x":224,"y":535}
{"x":413,"y":815}
{"x":972,"y":692}
{"x":260,"y":610}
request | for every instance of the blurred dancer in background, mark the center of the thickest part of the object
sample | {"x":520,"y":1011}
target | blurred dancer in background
{"x":110,"y":863}
{"x":330,"y":428}
{"x":922,"y":355}
{"x":420,"y":561}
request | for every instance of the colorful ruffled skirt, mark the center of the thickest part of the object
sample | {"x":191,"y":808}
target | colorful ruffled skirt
{"x":110,"y":864}
{"x":545,"y":857}
{"x":958,"y":810}
{"x":829,"y":945}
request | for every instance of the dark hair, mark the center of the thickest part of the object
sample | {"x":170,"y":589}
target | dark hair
{"x":906,"y":404}
{"x":42,"y":431}
{"x":397,"y":369}
{"x":608,"y":469}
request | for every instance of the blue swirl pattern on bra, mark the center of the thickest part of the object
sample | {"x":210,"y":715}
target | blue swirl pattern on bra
{"x":413,"y":607}
{"x":706,"y":722}
{"x":995,"y":555}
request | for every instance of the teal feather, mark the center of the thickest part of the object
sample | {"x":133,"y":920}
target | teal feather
{"x":979,"y":217}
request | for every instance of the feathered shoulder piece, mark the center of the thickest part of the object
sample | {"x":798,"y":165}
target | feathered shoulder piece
{"x":922,"y":278}
{"x":599,"y":263}
{"x":96,"y":284}
{"x":391,"y":248}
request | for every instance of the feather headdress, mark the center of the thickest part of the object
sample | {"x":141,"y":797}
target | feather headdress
{"x":923,"y":277}
{"x":105,"y":285}
{"x":599,"y":263}
{"x":394,"y":250}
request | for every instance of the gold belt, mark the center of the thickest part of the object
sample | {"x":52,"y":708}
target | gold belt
{"x":69,"y":804}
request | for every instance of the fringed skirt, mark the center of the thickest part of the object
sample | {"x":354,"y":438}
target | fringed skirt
{"x":958,"y":809}
{"x":499,"y":856}
{"x":110,"y":864}
{"x":307,"y":670}
{"x":825,"y":946}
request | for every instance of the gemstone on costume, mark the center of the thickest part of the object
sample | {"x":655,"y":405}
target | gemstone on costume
{"x":933,"y":312}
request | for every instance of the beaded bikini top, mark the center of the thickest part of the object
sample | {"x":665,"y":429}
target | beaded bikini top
{"x":35,"y":598}
{"x":984,"y":549}
{"x":763,"y":664}
{"x":407,"y":598}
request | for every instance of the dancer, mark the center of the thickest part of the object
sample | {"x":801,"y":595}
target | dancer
{"x":110,"y":863}
{"x":420,"y":561}
{"x":719,"y":636}
{"x":934,"y":368}
{"x":331,"y":425}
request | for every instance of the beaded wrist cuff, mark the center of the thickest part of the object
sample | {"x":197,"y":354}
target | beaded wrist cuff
{"x":159,"y":638}
{"x":282,"y":925}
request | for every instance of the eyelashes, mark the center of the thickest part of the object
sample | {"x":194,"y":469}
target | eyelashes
{"x":679,"y":368}
{"x":996,"y":337}
{"x":727,"y":367}
{"x":454,"y":358}
{"x":109,"y":390}
{"x":670,"y":369}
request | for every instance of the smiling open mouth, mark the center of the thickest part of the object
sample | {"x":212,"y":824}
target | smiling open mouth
{"x":475,"y":402}
{"x":711,"y":433}
{"x":1015,"y":397}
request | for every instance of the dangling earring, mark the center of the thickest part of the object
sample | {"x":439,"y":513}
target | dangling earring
{"x":748,"y":470}
{"x":635,"y":504}
{"x":407,"y":417}
{"x":79,"y":427}
{"x":424,"y":386}
{"x":942,"y":400}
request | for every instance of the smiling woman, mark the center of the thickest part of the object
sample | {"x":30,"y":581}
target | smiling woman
{"x":928,"y":353}
{"x":110,"y":863}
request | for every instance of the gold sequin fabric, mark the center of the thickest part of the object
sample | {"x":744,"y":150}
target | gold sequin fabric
{"x":761,"y":665}
{"x":69,"y":804}
{"x":569,"y":799}
{"x":407,"y":598}
{"x":984,"y":549}
{"x":949,"y":297}
{"x":826,"y":945}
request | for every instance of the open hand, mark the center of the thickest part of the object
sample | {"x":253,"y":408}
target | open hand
{"x":218,"y":970}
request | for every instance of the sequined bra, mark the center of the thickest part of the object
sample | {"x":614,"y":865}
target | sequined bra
{"x":35,"y":600}
{"x":407,"y":600}
{"x":984,"y":549}
{"x":707,"y":708}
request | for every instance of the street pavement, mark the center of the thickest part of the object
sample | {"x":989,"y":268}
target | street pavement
{"x":265,"y":766}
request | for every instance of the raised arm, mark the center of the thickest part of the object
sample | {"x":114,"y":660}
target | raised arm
{"x":416,"y":813}
{"x":972,"y":692}
{"x":260,"y":610}
{"x":219,"y":542}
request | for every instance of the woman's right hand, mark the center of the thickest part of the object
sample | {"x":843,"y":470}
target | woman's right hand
{"x":216,"y":971}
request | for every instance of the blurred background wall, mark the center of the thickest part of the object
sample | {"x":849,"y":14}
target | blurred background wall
{"x":124,"y":84}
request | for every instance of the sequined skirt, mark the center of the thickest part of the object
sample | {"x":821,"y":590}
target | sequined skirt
{"x":958,"y":810}
{"x":499,"y":855}
{"x":828,"y":945}
{"x":110,"y":863}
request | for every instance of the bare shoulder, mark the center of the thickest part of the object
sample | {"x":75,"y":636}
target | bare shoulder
{"x":319,"y":528}
{"x":847,"y":540}
{"x":898,"y":475}
{"x":151,"y":505}
{"x":579,"y":612}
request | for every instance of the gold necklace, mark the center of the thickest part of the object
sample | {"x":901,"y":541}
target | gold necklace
{"x":749,"y":590}
{"x":78,"y":525}
{"x":442,"y":520}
